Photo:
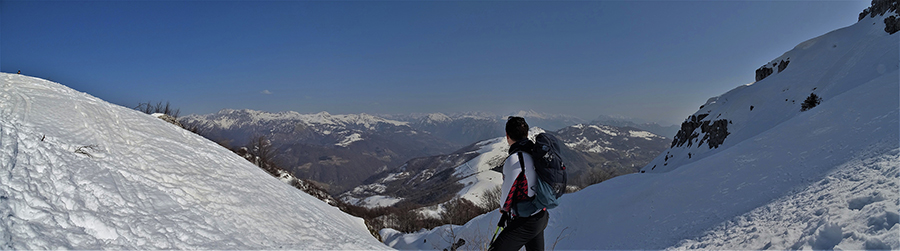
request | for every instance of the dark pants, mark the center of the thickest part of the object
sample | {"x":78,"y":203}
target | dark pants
{"x":522,"y":231}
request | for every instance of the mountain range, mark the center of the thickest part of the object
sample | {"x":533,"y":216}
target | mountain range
{"x":337,"y":151}
{"x":341,"y":152}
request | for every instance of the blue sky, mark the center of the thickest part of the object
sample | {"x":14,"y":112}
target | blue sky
{"x":650,"y":60}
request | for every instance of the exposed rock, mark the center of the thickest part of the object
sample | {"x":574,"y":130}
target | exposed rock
{"x":783,"y":64}
{"x":763,"y":72}
{"x":879,"y":7}
{"x":687,"y":134}
{"x":891,"y":24}
{"x":714,"y":132}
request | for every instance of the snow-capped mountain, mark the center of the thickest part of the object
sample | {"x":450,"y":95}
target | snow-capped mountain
{"x":592,"y":153}
{"x":339,"y":151}
{"x":81,"y":173}
{"x":549,"y":121}
{"x":758,"y":167}
{"x":462,"y":129}
{"x":321,"y":128}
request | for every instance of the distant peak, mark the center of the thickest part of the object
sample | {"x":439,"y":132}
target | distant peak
{"x":437,"y":117}
{"x":529,"y":113}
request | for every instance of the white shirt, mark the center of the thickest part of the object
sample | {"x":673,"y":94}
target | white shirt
{"x":511,"y":170}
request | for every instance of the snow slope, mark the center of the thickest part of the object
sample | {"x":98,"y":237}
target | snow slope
{"x":80,"y":173}
{"x":826,"y":178}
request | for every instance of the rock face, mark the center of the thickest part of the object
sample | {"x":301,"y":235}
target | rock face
{"x":783,"y":64}
{"x":891,"y":24}
{"x":687,"y":134}
{"x":880,"y":7}
{"x":714,"y":132}
{"x":764,"y":71}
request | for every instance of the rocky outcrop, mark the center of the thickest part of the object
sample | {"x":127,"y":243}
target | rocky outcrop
{"x":891,"y":25}
{"x":714,"y":132}
{"x":687,"y":134}
{"x":879,"y":7}
{"x":763,"y":72}
{"x":783,"y":64}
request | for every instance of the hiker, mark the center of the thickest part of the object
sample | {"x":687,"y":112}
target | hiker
{"x":519,"y":230}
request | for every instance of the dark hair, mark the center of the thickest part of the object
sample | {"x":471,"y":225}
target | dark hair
{"x":516,"y":128}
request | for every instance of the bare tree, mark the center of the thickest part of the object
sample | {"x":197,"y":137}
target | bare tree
{"x":166,"y":109}
{"x":490,"y":199}
{"x":263,"y":153}
{"x":561,"y":237}
{"x":459,"y":211}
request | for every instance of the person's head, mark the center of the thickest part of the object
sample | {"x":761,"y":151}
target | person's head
{"x":516,"y":129}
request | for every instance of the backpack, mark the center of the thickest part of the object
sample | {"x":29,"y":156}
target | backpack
{"x":551,"y":173}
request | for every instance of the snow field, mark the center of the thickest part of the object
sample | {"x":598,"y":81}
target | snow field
{"x":854,"y":208}
{"x":80,"y":173}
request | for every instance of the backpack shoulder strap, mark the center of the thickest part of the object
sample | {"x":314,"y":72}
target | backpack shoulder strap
{"x":521,"y":162}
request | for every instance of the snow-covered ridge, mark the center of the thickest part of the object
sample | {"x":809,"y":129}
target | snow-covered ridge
{"x":436,"y":118}
{"x":599,"y":137}
{"x":228,"y":118}
{"x":827,"y":66}
{"x":349,"y":140}
{"x":77,"y":172}
{"x":334,"y":130}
